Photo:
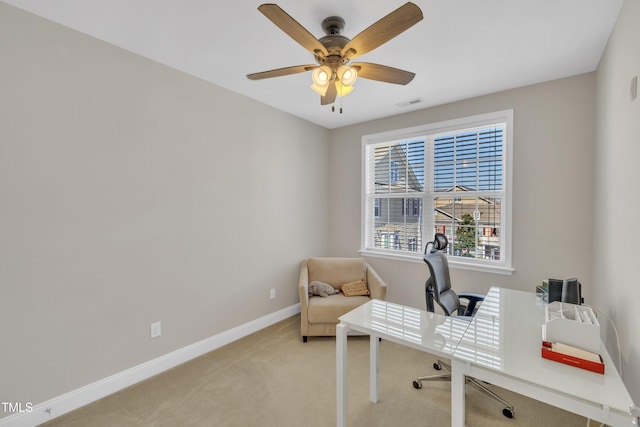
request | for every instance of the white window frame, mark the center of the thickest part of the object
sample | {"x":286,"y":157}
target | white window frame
{"x":504,"y":266}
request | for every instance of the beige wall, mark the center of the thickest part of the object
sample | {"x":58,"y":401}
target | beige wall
{"x":132,"y":193}
{"x":617,"y":199}
{"x":553,"y":165}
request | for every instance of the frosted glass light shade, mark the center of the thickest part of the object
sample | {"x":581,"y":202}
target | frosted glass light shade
{"x":342,"y":89}
{"x":347,"y":75}
{"x":321,"y":75}
{"x":320,"y":90}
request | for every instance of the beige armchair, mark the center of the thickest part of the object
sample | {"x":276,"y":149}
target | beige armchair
{"x":318,"y":315}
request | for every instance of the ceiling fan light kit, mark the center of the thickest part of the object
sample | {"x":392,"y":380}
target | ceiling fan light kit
{"x":320,"y":90}
{"x":334,"y":76}
{"x":321,"y":77}
{"x":342,"y":89}
{"x":347,"y":75}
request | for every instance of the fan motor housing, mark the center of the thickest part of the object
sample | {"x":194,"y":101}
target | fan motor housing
{"x":336,"y":42}
{"x":333,"y":41}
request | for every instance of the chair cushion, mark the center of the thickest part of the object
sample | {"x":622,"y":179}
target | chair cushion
{"x":336,"y":271}
{"x":328,"y":310}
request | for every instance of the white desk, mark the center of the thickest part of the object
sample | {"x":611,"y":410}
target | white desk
{"x":501,"y":346}
{"x":429,"y":332}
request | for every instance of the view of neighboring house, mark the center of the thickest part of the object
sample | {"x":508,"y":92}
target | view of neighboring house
{"x":399,"y":172}
{"x":466,"y":181}
{"x":476,"y":216}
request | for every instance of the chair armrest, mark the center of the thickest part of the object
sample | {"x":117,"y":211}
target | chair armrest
{"x":376,"y":285}
{"x":303,"y":286}
{"x":303,"y":291}
{"x":474,"y":299}
{"x":471,"y":297}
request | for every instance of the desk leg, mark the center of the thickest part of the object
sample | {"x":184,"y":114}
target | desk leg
{"x":374,"y":351}
{"x":341,"y":375}
{"x":457,"y":393}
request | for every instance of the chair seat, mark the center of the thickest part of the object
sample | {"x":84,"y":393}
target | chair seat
{"x":329,"y":309}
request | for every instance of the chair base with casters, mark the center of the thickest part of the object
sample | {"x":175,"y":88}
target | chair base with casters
{"x":438,"y":291}
{"x":508,"y":411}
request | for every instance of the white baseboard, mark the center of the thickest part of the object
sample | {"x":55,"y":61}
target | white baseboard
{"x":75,"y":399}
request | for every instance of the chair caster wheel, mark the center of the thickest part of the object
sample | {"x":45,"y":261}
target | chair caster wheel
{"x":437,"y":366}
{"x":417,"y":385}
{"x":507,"y":413}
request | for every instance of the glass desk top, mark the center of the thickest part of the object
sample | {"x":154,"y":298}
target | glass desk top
{"x":506,"y":336}
{"x":431,"y":332}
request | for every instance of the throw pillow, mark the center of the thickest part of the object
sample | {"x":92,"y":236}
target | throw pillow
{"x":322,"y":289}
{"x":355,"y":288}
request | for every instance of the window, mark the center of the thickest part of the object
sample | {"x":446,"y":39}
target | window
{"x":451,"y":177}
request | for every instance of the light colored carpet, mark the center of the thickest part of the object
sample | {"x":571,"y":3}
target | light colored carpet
{"x":272,"y":378}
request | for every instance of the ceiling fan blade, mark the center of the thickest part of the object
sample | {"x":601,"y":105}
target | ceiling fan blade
{"x":281,"y":72}
{"x":383,"y":73}
{"x":293,"y":28}
{"x":330,"y":96}
{"x":383,"y":30}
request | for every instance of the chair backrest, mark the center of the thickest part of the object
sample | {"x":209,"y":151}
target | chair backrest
{"x":336,"y":271}
{"x":438,"y":286}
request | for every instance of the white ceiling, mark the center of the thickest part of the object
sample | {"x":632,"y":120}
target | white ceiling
{"x":461,"y":49}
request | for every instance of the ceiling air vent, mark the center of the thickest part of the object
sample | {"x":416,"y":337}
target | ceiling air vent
{"x":410,"y":102}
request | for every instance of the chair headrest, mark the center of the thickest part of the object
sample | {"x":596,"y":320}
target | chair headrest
{"x":439,"y":243}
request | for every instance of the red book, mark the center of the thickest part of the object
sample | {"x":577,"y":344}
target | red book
{"x":572,"y":359}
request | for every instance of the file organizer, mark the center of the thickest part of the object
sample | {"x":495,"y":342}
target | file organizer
{"x":571,"y":324}
{"x":575,"y":326}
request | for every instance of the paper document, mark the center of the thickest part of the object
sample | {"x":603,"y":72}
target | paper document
{"x":575,"y":352}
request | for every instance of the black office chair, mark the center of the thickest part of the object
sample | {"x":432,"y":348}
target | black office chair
{"x":438,"y":289}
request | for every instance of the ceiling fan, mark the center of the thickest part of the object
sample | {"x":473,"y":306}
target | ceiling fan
{"x":333,"y":76}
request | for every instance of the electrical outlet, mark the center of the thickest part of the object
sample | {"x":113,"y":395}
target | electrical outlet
{"x":156,"y":329}
{"x":272,"y":294}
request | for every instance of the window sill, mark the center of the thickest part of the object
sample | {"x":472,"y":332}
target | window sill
{"x":453,"y":263}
